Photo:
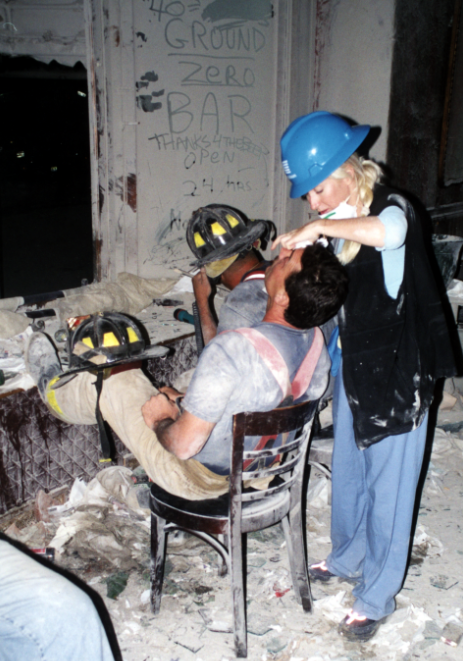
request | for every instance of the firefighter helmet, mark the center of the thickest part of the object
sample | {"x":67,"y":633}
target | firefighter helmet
{"x":218,"y":232}
{"x":106,"y":339}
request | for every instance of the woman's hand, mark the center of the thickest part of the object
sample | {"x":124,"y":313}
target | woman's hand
{"x":310,"y":232}
{"x":369,"y":231}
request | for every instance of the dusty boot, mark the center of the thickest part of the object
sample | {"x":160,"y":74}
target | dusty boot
{"x":42,"y":362}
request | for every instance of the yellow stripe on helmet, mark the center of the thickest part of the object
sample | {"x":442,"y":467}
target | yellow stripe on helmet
{"x":110,"y":340}
{"x":217,"y":229}
{"x":133,"y":337}
{"x":232,"y":221}
{"x":199,"y":241}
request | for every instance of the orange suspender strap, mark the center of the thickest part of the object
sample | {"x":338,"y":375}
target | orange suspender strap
{"x":271,"y":357}
{"x":277,"y":366}
{"x":307,"y":368}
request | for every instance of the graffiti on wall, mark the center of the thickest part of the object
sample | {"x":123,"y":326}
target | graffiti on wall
{"x":205,"y":99}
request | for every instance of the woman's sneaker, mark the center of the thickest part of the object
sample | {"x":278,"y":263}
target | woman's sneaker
{"x":320,"y":572}
{"x":355,"y":627}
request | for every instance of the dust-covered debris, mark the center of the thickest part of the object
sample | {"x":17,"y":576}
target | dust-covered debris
{"x":101,"y":532}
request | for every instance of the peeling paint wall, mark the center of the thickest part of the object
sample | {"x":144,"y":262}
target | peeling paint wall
{"x":47,"y":30}
{"x":205,"y":95}
{"x":189,"y":99}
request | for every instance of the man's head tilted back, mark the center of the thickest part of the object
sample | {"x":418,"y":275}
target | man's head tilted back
{"x":314,"y":281}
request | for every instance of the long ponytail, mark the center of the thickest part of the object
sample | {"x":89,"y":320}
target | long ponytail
{"x":367,"y":173}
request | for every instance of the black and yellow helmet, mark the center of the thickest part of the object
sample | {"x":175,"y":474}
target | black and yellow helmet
{"x":106,"y":339}
{"x":217,"y":231}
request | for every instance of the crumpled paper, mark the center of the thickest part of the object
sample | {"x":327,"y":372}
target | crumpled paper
{"x":12,"y":360}
{"x":388,"y":634}
{"x":443,"y":443}
{"x":318,"y":493}
{"x":104,"y":520}
{"x":332,"y":607}
{"x":12,"y":324}
{"x":426,"y":545}
{"x":455,"y":289}
{"x":185,"y":284}
{"x":12,"y":351}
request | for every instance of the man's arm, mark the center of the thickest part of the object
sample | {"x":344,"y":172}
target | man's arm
{"x":181,"y":434}
{"x":202,"y":290}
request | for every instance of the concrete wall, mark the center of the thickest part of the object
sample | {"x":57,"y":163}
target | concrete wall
{"x":354,"y":43}
{"x":420,"y":76}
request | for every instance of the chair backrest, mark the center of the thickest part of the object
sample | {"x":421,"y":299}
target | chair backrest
{"x":292,"y":455}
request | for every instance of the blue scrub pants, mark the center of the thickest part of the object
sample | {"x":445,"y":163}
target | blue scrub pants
{"x":373,"y":497}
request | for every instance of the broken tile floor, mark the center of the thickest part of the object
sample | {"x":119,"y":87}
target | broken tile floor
{"x":102,"y":534}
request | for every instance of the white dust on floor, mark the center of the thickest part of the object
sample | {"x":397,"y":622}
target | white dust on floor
{"x":103,"y":536}
{"x":195,"y":618}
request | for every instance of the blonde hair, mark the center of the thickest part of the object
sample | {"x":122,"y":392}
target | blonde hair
{"x":366,"y":173}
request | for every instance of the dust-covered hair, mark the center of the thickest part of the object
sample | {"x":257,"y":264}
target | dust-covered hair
{"x":318,"y":290}
{"x":366,"y":173}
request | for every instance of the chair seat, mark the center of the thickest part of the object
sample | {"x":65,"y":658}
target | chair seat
{"x":255,"y":514}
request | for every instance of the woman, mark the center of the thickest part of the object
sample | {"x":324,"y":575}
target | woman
{"x":394,"y":345}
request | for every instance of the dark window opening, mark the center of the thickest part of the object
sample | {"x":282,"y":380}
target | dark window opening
{"x":45,"y":195}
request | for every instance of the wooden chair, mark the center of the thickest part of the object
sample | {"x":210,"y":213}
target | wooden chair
{"x":243,"y":510}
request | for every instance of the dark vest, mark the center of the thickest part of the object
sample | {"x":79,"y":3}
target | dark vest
{"x":393,"y":349}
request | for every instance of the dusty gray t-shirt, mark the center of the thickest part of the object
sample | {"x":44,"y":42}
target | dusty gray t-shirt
{"x":244,"y":306}
{"x":231,"y":377}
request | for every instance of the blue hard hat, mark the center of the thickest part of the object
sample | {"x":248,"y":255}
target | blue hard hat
{"x":314,"y":146}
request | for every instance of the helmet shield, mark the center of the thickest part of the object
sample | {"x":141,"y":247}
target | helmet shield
{"x":314,"y":146}
{"x":215,"y":269}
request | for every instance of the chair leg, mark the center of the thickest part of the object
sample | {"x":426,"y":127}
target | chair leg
{"x":238,"y":592}
{"x":223,"y":565}
{"x":158,"y":544}
{"x":289,"y":546}
{"x":298,"y":560}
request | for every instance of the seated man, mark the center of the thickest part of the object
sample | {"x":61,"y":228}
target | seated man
{"x":187,"y":453}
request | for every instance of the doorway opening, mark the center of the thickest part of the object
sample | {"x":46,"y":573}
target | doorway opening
{"x":45,"y":195}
